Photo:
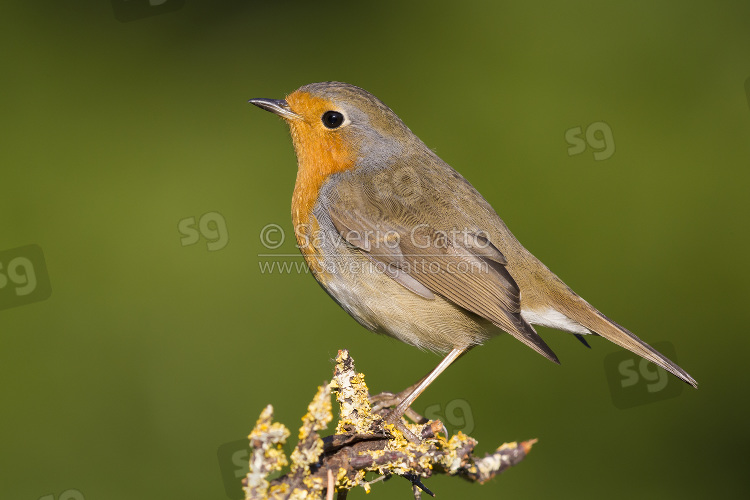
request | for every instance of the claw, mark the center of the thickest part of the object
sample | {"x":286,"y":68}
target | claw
{"x":384,"y":400}
{"x":399,"y":424}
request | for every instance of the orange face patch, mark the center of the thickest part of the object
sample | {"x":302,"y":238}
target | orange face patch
{"x":321,"y":152}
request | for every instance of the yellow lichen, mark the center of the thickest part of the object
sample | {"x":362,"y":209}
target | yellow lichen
{"x":309,"y":468}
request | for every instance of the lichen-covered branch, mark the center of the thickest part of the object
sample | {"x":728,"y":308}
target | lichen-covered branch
{"x":363,"y":443}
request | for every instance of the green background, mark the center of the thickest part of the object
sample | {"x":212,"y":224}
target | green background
{"x":150,"y":355}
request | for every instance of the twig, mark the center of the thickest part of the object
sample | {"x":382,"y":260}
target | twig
{"x":363,"y":443}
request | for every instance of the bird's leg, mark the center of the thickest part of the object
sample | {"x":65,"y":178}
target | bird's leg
{"x":407,"y":397}
{"x":423,"y":384}
{"x":387,"y":399}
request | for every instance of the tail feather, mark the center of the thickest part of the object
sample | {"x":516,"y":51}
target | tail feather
{"x":582,"y":340}
{"x":597,"y":322}
{"x":625,"y":338}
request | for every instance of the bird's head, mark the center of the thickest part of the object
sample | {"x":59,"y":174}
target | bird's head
{"x":336,"y":126}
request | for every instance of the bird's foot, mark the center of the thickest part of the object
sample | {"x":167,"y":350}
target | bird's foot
{"x":385,"y":400}
{"x":381,"y":402}
{"x":393,"y":417}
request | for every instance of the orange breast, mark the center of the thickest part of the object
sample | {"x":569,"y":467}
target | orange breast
{"x":320,"y":153}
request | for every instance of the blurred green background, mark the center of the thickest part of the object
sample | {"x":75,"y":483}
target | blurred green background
{"x":152,"y":353}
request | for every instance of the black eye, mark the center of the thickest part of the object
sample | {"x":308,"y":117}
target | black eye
{"x":333,"y":119}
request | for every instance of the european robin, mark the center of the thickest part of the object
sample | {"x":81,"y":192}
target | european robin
{"x":409,"y":248}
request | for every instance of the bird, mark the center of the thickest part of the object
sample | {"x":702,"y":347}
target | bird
{"x":409,"y":248}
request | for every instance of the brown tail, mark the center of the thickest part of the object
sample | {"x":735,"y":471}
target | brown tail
{"x":598,"y":323}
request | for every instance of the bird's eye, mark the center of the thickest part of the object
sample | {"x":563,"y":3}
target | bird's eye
{"x":332,"y":119}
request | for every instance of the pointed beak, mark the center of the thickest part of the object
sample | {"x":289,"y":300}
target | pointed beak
{"x":276,"y":106}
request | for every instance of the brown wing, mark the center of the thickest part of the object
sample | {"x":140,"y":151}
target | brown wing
{"x":466,"y":269}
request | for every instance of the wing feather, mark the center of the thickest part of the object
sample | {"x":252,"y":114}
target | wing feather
{"x":465,"y":269}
